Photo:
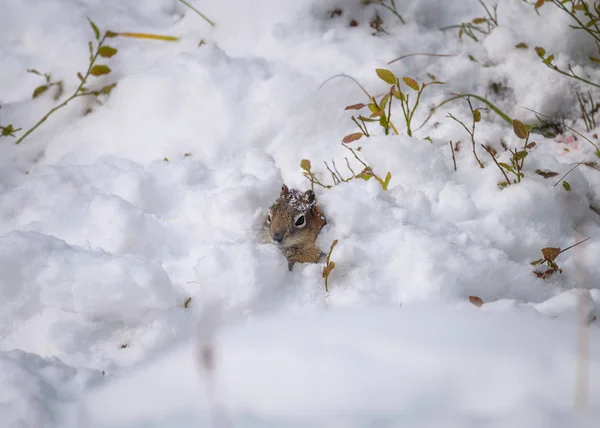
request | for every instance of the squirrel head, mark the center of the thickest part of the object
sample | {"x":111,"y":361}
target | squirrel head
{"x":290,"y":217}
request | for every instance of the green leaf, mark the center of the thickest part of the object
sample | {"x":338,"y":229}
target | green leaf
{"x":95,"y":28}
{"x":520,"y":129}
{"x":521,"y":155}
{"x":187,"y":302}
{"x":567,"y":186}
{"x":383,"y":121}
{"x":384,"y":101}
{"x":366,"y":119}
{"x":166,"y":159}
{"x":522,"y":46}
{"x":99,"y":70}
{"x":397,"y":93}
{"x":374,"y":108}
{"x":505,"y":166}
{"x":411,"y":83}
{"x":34,"y":71}
{"x":106,"y":90}
{"x":110,"y":34}
{"x":388,"y":177}
{"x":39,"y":91}
{"x":106,"y":51}
{"x":386,"y":75}
{"x":305,"y":165}
{"x":596,"y":60}
{"x":476,"y":115}
{"x":479,"y":20}
{"x":548,"y":61}
{"x":540,"y":51}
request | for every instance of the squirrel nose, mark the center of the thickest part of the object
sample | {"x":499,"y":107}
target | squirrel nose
{"x":277,"y":236}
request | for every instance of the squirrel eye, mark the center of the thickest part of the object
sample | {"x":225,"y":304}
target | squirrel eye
{"x":269,"y":218}
{"x":300,"y":221}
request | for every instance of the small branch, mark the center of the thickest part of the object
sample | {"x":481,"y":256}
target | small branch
{"x":497,"y":164}
{"x":453,"y":157}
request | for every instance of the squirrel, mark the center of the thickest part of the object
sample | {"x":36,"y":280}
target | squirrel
{"x":293,"y":223}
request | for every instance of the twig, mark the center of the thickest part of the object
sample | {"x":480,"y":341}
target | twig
{"x":453,"y":157}
{"x":496,"y":162}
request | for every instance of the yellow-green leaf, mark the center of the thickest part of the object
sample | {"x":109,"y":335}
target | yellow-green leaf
{"x":521,"y":46}
{"x":411,"y":83}
{"x":386,"y":75}
{"x":519,"y":129}
{"x":548,"y":61}
{"x":540,"y":51}
{"x":110,"y":34}
{"x":386,"y":182}
{"x":398,"y":94}
{"x":384,"y":101}
{"x":567,"y":186}
{"x":187,"y":302}
{"x":305,"y":165}
{"x":539,"y":3}
{"x":374,"y":108}
{"x":479,"y":20}
{"x":107,"y":89}
{"x":95,"y":28}
{"x":106,"y":51}
{"x":596,"y":60}
{"x":476,"y":115}
{"x":99,"y":70}
{"x":39,"y":91}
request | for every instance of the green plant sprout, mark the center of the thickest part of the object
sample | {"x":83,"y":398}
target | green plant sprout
{"x":476,"y":116}
{"x":8,"y":130}
{"x":49,"y":83}
{"x":101,"y":50}
{"x":517,"y":158}
{"x":482,"y":25}
{"x":329,"y":265}
{"x":94,"y":69}
{"x":337,"y":178}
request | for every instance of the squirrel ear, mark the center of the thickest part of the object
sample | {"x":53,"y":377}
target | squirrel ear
{"x":284,"y":190}
{"x":310,"y":195}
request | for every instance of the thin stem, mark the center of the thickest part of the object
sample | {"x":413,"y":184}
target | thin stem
{"x":198,"y":12}
{"x":473,"y":133}
{"x":572,"y":75}
{"x":393,"y":10}
{"x":418,"y":54}
{"x":571,"y":170}
{"x":497,"y":164}
{"x":453,"y":157}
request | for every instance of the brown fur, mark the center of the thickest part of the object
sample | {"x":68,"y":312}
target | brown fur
{"x":296,"y":244}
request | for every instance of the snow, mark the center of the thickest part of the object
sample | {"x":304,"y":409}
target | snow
{"x":131,"y":234}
